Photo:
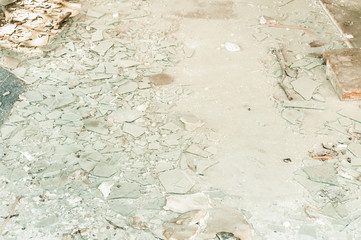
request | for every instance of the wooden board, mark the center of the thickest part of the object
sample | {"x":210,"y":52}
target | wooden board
{"x":344,"y":71}
{"x":346,"y":14}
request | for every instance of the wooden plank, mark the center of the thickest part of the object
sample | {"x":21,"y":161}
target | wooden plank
{"x":343,"y":68}
{"x":346,"y":15}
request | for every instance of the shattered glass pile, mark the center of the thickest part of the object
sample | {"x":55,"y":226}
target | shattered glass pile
{"x":331,"y":171}
{"x":93,"y":147}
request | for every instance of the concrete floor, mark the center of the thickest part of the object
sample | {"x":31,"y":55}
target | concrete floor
{"x":235,"y":93}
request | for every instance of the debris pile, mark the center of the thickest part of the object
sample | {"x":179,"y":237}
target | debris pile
{"x":94,"y":144}
{"x":332,"y":175}
{"x":201,"y":219}
{"x":27,"y":26}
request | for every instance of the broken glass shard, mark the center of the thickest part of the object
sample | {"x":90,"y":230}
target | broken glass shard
{"x":163,"y":166}
{"x":196,"y":150}
{"x":97,"y":35}
{"x":125,"y":190}
{"x":7,"y":131}
{"x":62,"y":100}
{"x":103,"y":47}
{"x":171,"y":127}
{"x":127,"y":63}
{"x":292,"y":116}
{"x":305,"y":87}
{"x":126,"y":115}
{"x":325,"y":173}
{"x":353,"y":114}
{"x":355,"y":149}
{"x":134,"y":130}
{"x":127,"y":87}
{"x":176,"y":181}
{"x":123,"y":207}
{"x":104,"y":170}
{"x":87,"y":165}
{"x":170,"y":155}
{"x":96,"y":126}
{"x":34,"y":96}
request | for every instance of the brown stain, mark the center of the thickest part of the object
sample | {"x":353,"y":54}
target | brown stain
{"x":316,"y":43}
{"x":161,"y":79}
{"x":214,"y":10}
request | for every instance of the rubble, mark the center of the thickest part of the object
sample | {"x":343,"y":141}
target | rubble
{"x":96,"y":135}
{"x":100,"y":145}
{"x":202,"y":219}
{"x":28,"y":26}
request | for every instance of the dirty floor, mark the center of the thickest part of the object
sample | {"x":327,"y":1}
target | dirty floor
{"x":169,"y":119}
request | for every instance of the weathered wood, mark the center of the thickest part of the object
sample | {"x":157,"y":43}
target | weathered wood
{"x":344,"y":71}
{"x":346,"y":15}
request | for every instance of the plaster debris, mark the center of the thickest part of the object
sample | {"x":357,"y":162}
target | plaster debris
{"x":185,"y":226}
{"x":9,"y":62}
{"x":206,"y":224}
{"x":191,"y":122}
{"x":30,"y":29}
{"x":231,"y":47}
{"x":105,"y":187}
{"x":186,"y":203}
